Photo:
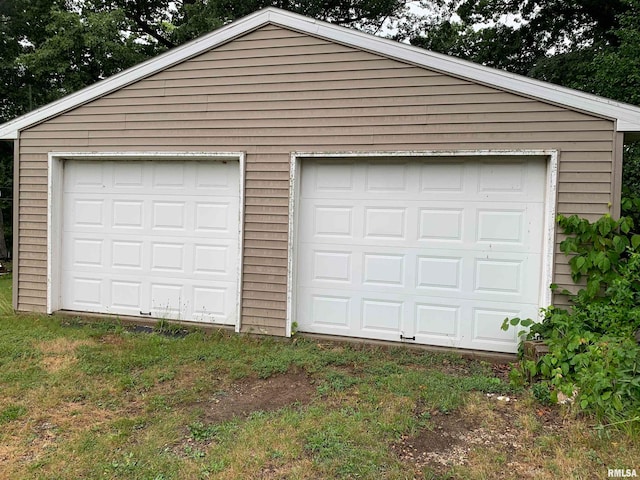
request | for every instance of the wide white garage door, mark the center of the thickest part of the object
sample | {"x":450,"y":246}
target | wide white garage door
{"x":151,"y":238}
{"x":439,"y":252}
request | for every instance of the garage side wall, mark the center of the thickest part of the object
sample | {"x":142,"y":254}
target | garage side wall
{"x":275,"y":91}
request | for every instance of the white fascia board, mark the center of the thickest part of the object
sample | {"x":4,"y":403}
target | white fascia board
{"x":626,"y":116}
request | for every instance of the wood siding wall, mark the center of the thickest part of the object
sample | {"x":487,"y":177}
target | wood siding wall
{"x":275,"y":91}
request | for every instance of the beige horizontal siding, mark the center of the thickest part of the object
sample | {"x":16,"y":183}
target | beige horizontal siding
{"x":383,"y":116}
{"x":595,"y":187}
{"x":252,"y":326}
{"x":265,"y":270}
{"x":31,"y":278}
{"x":276,"y":91}
{"x":279,"y":82}
{"x":198,"y":107}
{"x":268,"y":296}
{"x":265,"y":261}
{"x":39,"y":270}
{"x":437,"y":104}
{"x":264,"y":287}
{"x":269,"y":304}
{"x":265,"y":134}
{"x":31,"y":305}
{"x":32,"y":286}
{"x":262,"y":201}
{"x":271,"y":236}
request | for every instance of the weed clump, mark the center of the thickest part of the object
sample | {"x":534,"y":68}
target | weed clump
{"x":594,"y":358}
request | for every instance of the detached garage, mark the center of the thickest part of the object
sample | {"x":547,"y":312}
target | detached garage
{"x":284,"y":173}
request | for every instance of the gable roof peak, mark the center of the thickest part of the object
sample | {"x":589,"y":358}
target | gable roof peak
{"x":627,"y":116}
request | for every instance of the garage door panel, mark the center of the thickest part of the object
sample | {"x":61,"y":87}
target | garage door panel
{"x":168,"y":216}
{"x":438,"y":272}
{"x":220,"y":182}
{"x":500,"y":225}
{"x":487,"y":316}
{"x":436,"y":250}
{"x":441,"y":178}
{"x":339,"y":178}
{"x":211,"y":302}
{"x":506,"y":277}
{"x":385,"y":270}
{"x":332,"y":221}
{"x":174,"y":256}
{"x":214,"y":217}
{"x":213,"y":259}
{"x":84,"y":292}
{"x":127,"y":254}
{"x":330,"y":266}
{"x":127,"y":175}
{"x":84,"y":177}
{"x":498,"y":276}
{"x":437,"y":323}
{"x":517,"y":227}
{"x":501,"y":177}
{"x":167,"y":257}
{"x":167,"y":176}
{"x":87,"y":252}
{"x":88,"y":213}
{"x":382,"y":316}
{"x":126,"y":296}
{"x":385,"y":223}
{"x":386,"y":178}
{"x":331,"y":310}
{"x":440,"y":224}
{"x":128,"y":214}
{"x":168,"y":300}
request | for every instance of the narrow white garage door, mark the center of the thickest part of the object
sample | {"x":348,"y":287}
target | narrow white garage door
{"x":439,"y":252}
{"x":151,"y":238}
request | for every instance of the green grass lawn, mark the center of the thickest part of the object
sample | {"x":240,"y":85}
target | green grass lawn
{"x":5,"y":295}
{"x":99,"y":401}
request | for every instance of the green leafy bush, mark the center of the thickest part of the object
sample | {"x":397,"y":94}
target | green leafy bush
{"x":593,"y":354}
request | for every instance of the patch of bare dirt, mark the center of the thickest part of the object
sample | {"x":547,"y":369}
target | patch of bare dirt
{"x":112,"y":339}
{"x":7,"y":453}
{"x":243,"y":398}
{"x":30,"y":439}
{"x":451,"y":439}
{"x":59,"y":353}
{"x":501,"y":371}
{"x":458,"y":367}
{"x":258,"y":395}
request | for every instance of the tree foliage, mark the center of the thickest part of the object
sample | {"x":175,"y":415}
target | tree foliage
{"x":545,"y":39}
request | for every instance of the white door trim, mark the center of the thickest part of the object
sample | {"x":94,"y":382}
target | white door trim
{"x":546,"y":277}
{"x":54,"y":210}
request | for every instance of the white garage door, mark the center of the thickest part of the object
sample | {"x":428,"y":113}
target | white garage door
{"x":437,"y":252}
{"x":151,"y":238}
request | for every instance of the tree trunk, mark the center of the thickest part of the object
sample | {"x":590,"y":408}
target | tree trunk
{"x":3,"y":245}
